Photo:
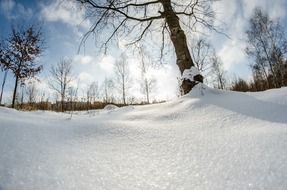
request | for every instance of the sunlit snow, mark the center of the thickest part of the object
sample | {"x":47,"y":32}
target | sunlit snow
{"x":209,"y":139}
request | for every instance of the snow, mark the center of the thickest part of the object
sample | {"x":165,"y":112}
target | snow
{"x":110,"y":107}
{"x":208,"y":139}
{"x":189,"y":74}
{"x":277,"y":96}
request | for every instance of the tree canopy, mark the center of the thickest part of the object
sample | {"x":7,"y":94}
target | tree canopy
{"x":19,"y":51}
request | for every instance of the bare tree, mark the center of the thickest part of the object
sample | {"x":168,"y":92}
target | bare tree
{"x":107,"y":87}
{"x":3,"y":68}
{"x":31,"y":92}
{"x":3,"y":84}
{"x":122,"y":76}
{"x":201,"y":52}
{"x":267,"y":46}
{"x":218,"y":72}
{"x":19,"y":54}
{"x":92,"y":93}
{"x":138,"y":19}
{"x":240,"y":85}
{"x":147,"y":81}
{"x":72,"y":97}
{"x":61,"y":78}
{"x":88,"y":97}
{"x":22,"y":88}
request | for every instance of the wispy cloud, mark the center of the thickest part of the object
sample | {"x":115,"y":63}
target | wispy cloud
{"x":24,"y":12}
{"x":14,"y":10}
{"x":66,"y":11}
{"x":7,"y":7}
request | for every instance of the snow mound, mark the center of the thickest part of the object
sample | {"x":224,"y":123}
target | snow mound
{"x":208,"y":139}
{"x":110,"y":107}
{"x":277,"y":96}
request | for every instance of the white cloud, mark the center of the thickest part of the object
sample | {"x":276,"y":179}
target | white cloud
{"x":83,"y":59}
{"x":107,"y":64}
{"x":275,"y":9}
{"x":232,"y":53}
{"x":7,"y":7}
{"x":278,"y":9}
{"x":85,"y":78}
{"x":24,"y":12}
{"x":222,"y":9}
{"x":88,"y":68}
{"x":166,"y":77}
{"x":65,"y":11}
{"x":14,"y":10}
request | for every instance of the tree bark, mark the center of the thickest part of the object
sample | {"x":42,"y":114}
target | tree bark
{"x":62,"y":103}
{"x":147,"y":91}
{"x":178,"y":38}
{"x":15,"y":91}
{"x":3,"y":84}
{"x":124,"y":91}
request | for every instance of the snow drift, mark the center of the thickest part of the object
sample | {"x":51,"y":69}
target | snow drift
{"x":209,"y":139}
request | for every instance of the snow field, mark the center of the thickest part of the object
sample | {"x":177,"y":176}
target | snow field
{"x":209,"y":139}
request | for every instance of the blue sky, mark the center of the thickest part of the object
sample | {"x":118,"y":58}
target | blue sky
{"x":64,"y":25}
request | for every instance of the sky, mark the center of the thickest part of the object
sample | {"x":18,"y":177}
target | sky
{"x":64,"y":25}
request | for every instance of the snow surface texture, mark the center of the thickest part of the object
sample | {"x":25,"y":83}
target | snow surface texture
{"x":209,"y":139}
{"x":189,"y":74}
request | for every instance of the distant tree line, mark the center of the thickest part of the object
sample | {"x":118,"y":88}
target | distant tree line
{"x":62,"y":81}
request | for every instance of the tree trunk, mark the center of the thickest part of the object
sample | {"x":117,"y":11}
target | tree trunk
{"x":62,"y":103}
{"x":178,"y":38}
{"x":22,"y":97}
{"x":3,"y":84}
{"x":106,"y":95}
{"x":15,"y":91}
{"x":124,"y":92}
{"x":147,"y":91}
